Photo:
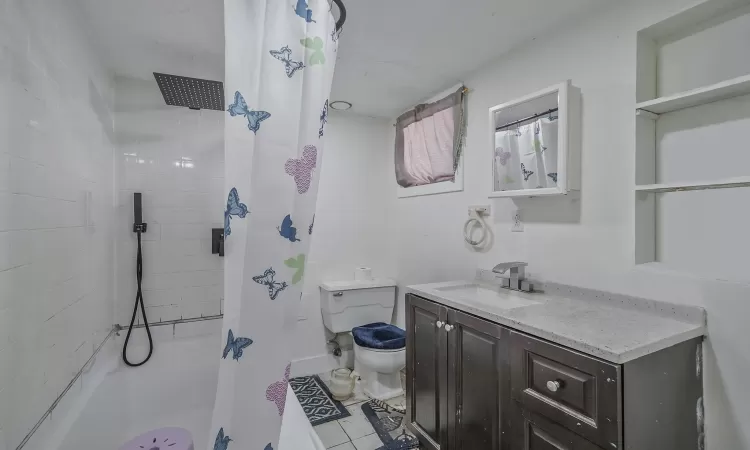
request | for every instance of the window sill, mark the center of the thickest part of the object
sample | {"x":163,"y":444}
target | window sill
{"x":431,"y":189}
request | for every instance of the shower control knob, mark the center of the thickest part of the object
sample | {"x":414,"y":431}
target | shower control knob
{"x":448,"y":327}
{"x":439,"y":324}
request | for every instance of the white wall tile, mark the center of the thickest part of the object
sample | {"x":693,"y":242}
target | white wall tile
{"x":175,"y":158}
{"x":56,"y":290}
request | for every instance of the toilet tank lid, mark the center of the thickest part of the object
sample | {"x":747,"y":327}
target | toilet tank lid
{"x":351,"y":285}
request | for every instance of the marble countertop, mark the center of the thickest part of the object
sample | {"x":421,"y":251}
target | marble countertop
{"x":612,"y":327}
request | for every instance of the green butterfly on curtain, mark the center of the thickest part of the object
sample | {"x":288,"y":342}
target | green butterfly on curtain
{"x":316,"y":45}
{"x":299,"y":264}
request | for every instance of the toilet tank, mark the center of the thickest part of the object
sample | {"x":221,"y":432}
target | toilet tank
{"x":348,"y":304}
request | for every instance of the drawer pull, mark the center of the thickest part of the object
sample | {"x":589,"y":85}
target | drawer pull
{"x":554,"y":386}
{"x":338,"y":294}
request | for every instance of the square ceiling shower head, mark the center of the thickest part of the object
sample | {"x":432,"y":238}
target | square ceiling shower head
{"x":193,"y":93}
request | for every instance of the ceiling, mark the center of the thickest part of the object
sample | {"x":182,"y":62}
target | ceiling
{"x":392,"y":53}
{"x":139,"y":37}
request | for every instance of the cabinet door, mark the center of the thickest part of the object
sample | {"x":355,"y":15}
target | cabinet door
{"x":533,"y":432}
{"x":478,"y":383}
{"x":426,"y":372}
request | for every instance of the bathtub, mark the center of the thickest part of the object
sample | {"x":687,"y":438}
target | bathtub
{"x":177,"y":387}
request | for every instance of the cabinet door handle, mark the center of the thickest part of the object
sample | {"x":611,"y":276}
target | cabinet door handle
{"x":554,"y":386}
{"x":448,"y":327}
{"x":439,"y":324}
{"x":338,"y":294}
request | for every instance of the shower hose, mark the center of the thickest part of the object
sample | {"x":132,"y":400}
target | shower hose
{"x":138,"y":301}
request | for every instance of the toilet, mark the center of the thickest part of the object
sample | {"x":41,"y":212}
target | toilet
{"x":364,"y":308}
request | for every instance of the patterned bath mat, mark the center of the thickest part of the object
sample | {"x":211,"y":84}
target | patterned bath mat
{"x":390,"y":425}
{"x":316,"y":400}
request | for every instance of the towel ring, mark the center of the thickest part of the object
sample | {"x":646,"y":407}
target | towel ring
{"x":475,"y":219}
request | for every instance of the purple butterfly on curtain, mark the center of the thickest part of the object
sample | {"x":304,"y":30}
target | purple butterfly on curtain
{"x":276,"y":392}
{"x":285,"y":55}
{"x":301,"y":169}
{"x":526,"y":173}
{"x":502,"y":155}
{"x":323,"y":119}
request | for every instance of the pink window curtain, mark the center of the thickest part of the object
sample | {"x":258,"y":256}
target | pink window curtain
{"x":429,"y":139}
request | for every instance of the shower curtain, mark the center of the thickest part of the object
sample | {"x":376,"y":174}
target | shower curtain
{"x":280,"y":60}
{"x":526,"y":156}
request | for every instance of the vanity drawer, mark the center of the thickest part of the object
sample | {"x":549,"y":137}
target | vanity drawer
{"x":534,"y":432}
{"x":581,"y":393}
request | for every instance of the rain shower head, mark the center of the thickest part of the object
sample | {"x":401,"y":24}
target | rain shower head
{"x":193,"y":93}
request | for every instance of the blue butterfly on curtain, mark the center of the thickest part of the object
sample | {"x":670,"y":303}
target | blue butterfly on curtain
{"x":254,"y":118}
{"x":309,"y":230}
{"x":303,"y":11}
{"x":235,"y":345}
{"x":553,"y":175}
{"x":287,"y":230}
{"x":526,"y":173}
{"x":222,"y":442}
{"x":267,"y":280}
{"x":285,"y":55}
{"x":323,"y":119}
{"x":234,"y":208}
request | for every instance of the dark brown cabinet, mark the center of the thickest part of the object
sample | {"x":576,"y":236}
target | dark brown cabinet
{"x":477,"y":381}
{"x":456,"y":369}
{"x":426,"y":372}
{"x":476,"y":385}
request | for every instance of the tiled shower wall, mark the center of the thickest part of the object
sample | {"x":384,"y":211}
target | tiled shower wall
{"x":175,"y":158}
{"x":56,"y":247}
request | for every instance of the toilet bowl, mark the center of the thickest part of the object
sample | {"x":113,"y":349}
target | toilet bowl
{"x":380,"y":371}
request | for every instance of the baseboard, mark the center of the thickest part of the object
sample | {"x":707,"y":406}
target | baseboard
{"x":322,"y":363}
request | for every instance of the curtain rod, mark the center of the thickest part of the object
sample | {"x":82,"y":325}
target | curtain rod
{"x":535,"y":116}
{"x":342,"y":14}
{"x":464,"y":91}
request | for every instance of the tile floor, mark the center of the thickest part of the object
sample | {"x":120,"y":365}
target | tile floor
{"x":354,"y":432}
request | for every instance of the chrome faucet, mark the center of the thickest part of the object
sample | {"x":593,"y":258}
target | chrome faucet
{"x":517,"y":280}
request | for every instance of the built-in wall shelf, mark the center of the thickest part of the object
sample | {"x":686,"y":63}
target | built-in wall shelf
{"x":696,"y":97}
{"x":692,"y":104}
{"x":694,"y":186}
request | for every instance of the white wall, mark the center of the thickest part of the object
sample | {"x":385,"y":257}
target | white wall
{"x":56,"y":273}
{"x":352,"y":227}
{"x":175,"y":158}
{"x":586,"y":239}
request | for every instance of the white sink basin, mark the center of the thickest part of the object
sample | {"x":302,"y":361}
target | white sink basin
{"x":497,"y":297}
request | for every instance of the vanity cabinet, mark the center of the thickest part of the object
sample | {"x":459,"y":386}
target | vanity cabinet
{"x":426,"y":372}
{"x":473,"y":384}
{"x":457,"y":378}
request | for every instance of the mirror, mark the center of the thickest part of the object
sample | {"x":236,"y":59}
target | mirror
{"x":529,"y":144}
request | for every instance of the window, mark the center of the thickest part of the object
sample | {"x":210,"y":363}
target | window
{"x":429,"y":141}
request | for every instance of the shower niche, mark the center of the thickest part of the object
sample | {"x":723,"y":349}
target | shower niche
{"x":692,"y":168}
{"x":535,"y":143}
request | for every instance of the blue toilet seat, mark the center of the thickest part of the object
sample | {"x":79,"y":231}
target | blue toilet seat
{"x":379,"y":336}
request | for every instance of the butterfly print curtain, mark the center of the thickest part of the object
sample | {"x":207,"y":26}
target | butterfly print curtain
{"x":526,"y":157}
{"x":280,"y":57}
